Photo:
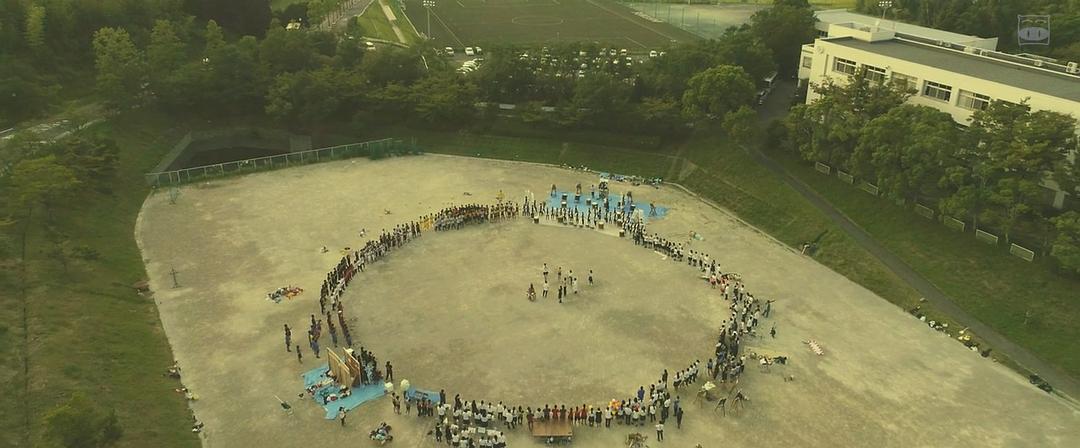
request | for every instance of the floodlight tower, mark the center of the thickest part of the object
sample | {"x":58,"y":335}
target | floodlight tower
{"x":884,"y":5}
{"x":428,"y":4}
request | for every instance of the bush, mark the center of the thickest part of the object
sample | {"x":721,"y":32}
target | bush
{"x":78,"y":424}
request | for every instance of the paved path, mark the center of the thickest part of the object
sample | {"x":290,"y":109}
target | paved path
{"x":775,"y":107}
{"x":393,"y":21}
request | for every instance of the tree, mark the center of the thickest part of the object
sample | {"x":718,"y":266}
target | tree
{"x":741,"y":125}
{"x":312,"y":97}
{"x":35,"y":27}
{"x":741,"y":47}
{"x":661,"y":115}
{"x":77,"y":424}
{"x":42,"y":181}
{"x":244,"y":17}
{"x":717,"y":91}
{"x":121,"y":68}
{"x":784,"y":29}
{"x":907,"y":150}
{"x":444,"y":99}
{"x":286,"y":51}
{"x":165,"y":53}
{"x":92,"y":158}
{"x":1066,"y":248}
{"x":214,"y":39}
{"x":599,"y":96}
{"x":24,"y":93}
{"x":394,"y":65}
{"x":827,"y":129}
{"x":1008,"y":154}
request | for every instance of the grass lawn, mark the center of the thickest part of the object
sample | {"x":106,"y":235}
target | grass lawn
{"x":995,"y":287}
{"x":88,"y":331}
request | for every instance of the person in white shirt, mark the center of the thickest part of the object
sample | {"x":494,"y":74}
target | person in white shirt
{"x":660,"y":431}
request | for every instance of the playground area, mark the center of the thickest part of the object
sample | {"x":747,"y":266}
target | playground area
{"x":449,"y":311}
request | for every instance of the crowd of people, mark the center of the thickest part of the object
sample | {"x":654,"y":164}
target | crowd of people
{"x":462,"y":423}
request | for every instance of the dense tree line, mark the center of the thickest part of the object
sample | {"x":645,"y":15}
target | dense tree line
{"x":992,"y":18}
{"x":990,"y":171}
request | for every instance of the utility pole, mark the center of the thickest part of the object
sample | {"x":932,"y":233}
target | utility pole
{"x":428,"y":4}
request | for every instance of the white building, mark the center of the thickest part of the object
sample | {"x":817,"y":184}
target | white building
{"x":828,"y":17}
{"x":954,"y":78}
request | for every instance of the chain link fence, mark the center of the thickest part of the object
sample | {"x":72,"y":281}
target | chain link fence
{"x":373,"y":149}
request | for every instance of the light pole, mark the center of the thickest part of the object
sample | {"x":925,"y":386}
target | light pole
{"x":428,"y":4}
{"x":884,"y":5}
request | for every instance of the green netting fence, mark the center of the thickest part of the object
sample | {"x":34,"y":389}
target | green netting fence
{"x":375,"y":149}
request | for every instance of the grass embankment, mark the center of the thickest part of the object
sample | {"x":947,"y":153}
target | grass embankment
{"x":1024,"y":301}
{"x":375,"y":24}
{"x":86,"y":329}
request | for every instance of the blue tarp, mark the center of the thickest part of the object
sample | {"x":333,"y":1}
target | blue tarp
{"x":416,"y":394}
{"x":613,"y":198}
{"x":360,"y":395}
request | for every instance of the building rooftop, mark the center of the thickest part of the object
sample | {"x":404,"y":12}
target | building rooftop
{"x":1059,"y":85}
{"x":838,"y":16}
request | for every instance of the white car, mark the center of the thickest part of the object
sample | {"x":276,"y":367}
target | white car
{"x":623,"y":52}
{"x":449,"y":51}
{"x":478,"y":50}
{"x":653,"y":54}
{"x":370,"y":46}
{"x":469,"y":51}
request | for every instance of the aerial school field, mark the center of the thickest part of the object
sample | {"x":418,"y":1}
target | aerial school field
{"x":461,"y":23}
{"x":450,"y":312}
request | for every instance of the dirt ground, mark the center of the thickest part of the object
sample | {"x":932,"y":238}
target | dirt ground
{"x":449,"y":311}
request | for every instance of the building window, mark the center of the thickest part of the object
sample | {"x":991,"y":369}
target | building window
{"x":904,"y":82}
{"x":875,"y":74}
{"x":973,"y":101}
{"x":844,"y":66}
{"x":937,"y":91}
{"x":807,"y":61}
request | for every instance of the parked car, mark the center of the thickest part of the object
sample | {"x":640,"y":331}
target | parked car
{"x":369,"y":45}
{"x":449,"y":51}
{"x":469,"y":51}
{"x":653,"y":54}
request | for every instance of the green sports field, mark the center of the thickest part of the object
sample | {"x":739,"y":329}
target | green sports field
{"x":461,"y":23}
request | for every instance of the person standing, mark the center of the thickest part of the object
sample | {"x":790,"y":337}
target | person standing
{"x":389,"y":372}
{"x":772,"y":332}
{"x":397,"y":404}
{"x":299,"y":355}
{"x":678,"y":418}
{"x":660,"y":431}
{"x":545,"y":272}
{"x":288,"y":338}
{"x":342,"y":411}
{"x":545,"y":287}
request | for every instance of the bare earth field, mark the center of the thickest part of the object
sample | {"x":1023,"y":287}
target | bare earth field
{"x":449,"y":311}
